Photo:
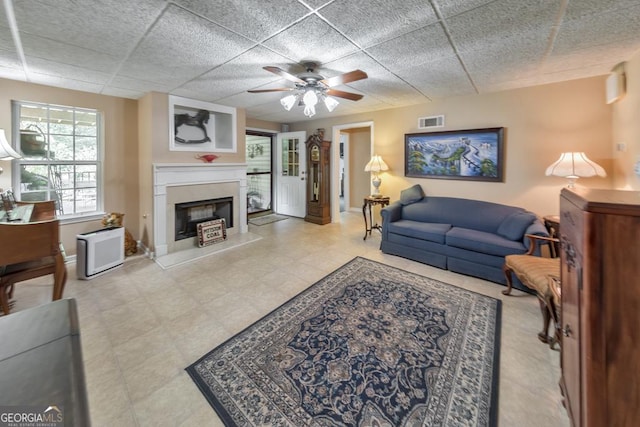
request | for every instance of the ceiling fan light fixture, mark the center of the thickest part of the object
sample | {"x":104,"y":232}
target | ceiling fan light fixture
{"x":330,"y":103}
{"x":289,"y":101}
{"x":310,"y":98}
{"x":309,"y":110}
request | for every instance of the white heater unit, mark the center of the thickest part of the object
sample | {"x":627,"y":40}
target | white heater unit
{"x":99,"y":251}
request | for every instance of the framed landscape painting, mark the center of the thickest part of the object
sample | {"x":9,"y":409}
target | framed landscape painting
{"x":475,"y":154}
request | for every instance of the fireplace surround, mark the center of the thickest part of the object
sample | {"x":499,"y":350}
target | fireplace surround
{"x":187,"y":182}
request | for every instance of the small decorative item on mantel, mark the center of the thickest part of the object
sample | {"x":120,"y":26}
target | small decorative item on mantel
{"x":114,"y":219}
{"x":207,"y":158}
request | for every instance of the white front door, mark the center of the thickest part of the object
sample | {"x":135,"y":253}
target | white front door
{"x":291,"y":174}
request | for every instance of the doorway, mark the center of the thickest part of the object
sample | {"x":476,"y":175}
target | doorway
{"x":259,"y":147}
{"x":347,"y":166}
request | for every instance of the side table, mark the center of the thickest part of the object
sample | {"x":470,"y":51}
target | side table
{"x":370,"y":201}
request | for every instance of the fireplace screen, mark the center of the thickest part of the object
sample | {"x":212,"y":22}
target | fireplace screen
{"x":189,"y":215}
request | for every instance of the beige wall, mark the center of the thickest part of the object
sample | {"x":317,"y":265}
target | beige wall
{"x":120,"y":145}
{"x":540,"y":122}
{"x":359,"y":155}
{"x":626,"y":129}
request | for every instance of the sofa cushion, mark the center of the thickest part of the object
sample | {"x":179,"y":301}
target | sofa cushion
{"x":420,"y":230}
{"x":514,"y":225}
{"x":411,"y":195}
{"x":467,"y":213}
{"x":480,"y":241}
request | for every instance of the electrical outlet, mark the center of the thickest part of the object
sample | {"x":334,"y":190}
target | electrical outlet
{"x":621,"y":146}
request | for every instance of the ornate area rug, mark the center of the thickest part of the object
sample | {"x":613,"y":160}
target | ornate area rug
{"x":368,"y":345}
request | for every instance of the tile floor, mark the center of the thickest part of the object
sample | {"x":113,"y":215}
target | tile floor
{"x":142,"y":325}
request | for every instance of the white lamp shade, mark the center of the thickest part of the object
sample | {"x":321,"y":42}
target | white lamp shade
{"x":376,"y":164}
{"x":310,"y":99}
{"x":6,"y":152}
{"x":288,"y":102}
{"x":330,"y":103}
{"x":575,"y":165}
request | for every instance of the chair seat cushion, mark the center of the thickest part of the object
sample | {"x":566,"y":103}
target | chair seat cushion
{"x":534,"y":271}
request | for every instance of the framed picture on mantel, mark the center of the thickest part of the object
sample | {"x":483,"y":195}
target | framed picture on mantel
{"x":473,"y":155}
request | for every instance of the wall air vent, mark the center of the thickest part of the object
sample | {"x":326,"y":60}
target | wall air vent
{"x":431,"y":122}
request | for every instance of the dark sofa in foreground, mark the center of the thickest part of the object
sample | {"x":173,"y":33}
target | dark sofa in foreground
{"x":471,"y":237}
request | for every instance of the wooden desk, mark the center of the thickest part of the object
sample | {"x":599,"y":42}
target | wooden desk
{"x":20,"y":213}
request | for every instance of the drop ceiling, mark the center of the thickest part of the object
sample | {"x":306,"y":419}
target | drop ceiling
{"x":414,"y":51}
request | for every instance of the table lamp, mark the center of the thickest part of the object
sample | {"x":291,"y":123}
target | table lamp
{"x":6,"y":152}
{"x":573,"y":166}
{"x":375,"y":165}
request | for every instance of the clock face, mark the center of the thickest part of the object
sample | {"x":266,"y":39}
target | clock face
{"x":315,"y":153}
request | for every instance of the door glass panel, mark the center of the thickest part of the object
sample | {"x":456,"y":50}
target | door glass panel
{"x":290,"y":157}
{"x":258,"y":173}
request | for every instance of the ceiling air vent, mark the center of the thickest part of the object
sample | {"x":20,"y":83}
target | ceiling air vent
{"x":431,"y":122}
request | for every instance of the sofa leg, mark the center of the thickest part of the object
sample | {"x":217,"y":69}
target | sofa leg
{"x":507,"y":275}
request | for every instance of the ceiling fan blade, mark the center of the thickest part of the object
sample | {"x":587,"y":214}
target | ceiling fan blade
{"x":349,"y":77}
{"x":346,"y":95}
{"x":282,"y":89}
{"x":283,"y":73}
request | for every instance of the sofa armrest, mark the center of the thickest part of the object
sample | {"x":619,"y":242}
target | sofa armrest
{"x":391,"y":213}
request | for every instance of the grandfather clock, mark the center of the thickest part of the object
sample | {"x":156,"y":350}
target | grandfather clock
{"x":318,"y":178}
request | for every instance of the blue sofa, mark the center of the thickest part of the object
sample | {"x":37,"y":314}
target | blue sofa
{"x":471,"y":237}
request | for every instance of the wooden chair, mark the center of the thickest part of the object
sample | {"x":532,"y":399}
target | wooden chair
{"x":536,"y":273}
{"x":29,"y":250}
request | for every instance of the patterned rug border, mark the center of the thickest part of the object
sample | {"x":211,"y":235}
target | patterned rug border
{"x":494,"y":399}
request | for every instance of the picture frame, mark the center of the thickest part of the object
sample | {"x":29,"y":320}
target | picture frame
{"x":471,"y":155}
{"x":201,"y":126}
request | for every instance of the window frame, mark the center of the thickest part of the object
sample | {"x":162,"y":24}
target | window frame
{"x":17,"y":164}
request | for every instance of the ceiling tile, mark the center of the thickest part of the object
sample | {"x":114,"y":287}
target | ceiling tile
{"x":415,"y":49}
{"x":182,"y":46}
{"x":311,"y":39}
{"x":111,"y":26}
{"x":56,"y":69}
{"x":621,"y":26}
{"x":439,"y":78}
{"x":504,"y":22}
{"x":45,"y":79}
{"x":374,"y":21}
{"x":242,"y":72}
{"x":55,"y":51}
{"x":259,"y":19}
{"x":450,"y":8}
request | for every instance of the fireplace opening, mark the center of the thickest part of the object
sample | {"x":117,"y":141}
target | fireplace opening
{"x":188,"y":215}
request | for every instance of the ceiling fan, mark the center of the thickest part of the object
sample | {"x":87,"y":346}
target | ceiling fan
{"x":310,"y":87}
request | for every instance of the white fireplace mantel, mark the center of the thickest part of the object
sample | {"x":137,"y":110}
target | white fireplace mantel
{"x":179,"y":174}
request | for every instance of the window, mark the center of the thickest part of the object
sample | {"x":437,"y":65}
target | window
{"x":61,"y":149}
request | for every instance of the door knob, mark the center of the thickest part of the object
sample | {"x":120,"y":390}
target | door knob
{"x":566,"y":331}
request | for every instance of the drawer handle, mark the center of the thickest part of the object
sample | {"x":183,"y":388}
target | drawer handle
{"x":566,"y":331}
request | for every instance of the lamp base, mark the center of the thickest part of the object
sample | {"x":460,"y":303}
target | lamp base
{"x":376,"y":181}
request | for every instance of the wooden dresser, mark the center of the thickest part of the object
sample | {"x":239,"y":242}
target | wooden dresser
{"x":600,"y":316}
